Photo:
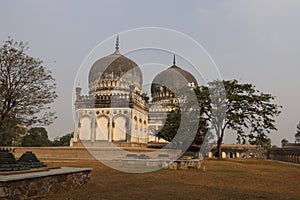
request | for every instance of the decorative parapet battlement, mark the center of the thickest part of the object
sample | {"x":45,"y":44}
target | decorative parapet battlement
{"x":106,"y":100}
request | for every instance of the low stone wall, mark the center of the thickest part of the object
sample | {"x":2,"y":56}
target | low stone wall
{"x":108,"y":144}
{"x":285,"y":154}
{"x":48,"y":153}
{"x":37,"y":185}
{"x":238,"y":151}
{"x":81,"y":153}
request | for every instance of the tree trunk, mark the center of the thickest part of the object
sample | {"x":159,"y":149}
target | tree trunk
{"x":219,"y":148}
{"x":220,"y":139}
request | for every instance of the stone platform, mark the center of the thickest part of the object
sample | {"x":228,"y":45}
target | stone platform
{"x":34,"y":185}
{"x":91,"y":153}
{"x":184,"y":164}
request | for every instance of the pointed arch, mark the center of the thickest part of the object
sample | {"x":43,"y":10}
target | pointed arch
{"x":120,"y":127}
{"x":102,"y":127}
{"x":85,"y":128}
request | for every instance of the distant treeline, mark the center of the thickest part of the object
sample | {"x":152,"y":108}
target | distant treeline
{"x":37,"y":137}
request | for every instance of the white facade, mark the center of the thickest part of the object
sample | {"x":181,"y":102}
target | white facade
{"x":115,"y":110}
{"x":111,"y":124}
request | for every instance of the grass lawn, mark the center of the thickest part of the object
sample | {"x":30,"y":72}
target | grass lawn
{"x":224,"y":179}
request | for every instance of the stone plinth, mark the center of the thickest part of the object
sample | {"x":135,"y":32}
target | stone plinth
{"x":184,"y":164}
{"x":92,"y":153}
{"x":38,"y":184}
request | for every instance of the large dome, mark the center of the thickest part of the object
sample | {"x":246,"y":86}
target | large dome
{"x":115,"y":68}
{"x":173,"y":79}
{"x":115,"y":65}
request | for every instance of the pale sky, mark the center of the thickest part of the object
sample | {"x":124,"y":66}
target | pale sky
{"x":254,"y":41}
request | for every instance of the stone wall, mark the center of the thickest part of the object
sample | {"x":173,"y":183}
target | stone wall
{"x":37,"y":187}
{"x":285,"y":154}
{"x":76,"y":153}
{"x":238,"y":151}
{"x":49,"y":153}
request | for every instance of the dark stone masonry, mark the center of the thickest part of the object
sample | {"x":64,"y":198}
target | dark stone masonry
{"x":39,"y":184}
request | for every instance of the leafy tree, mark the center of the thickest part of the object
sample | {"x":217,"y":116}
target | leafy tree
{"x":232,"y":105}
{"x":261,"y":140}
{"x":297,"y":135}
{"x":170,"y":128}
{"x":63,"y":141}
{"x":11,"y":133}
{"x":36,"y":137}
{"x":26,"y":88}
{"x":175,"y":119}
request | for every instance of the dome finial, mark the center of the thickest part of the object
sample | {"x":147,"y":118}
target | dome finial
{"x":117,"y":43}
{"x":174,"y":62}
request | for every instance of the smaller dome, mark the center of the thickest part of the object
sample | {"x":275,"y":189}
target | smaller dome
{"x":166,"y":83}
{"x":284,"y":140}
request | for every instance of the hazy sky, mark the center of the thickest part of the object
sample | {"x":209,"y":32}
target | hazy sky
{"x":255,"y":41}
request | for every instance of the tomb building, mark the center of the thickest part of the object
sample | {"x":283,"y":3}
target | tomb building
{"x":114,"y":110}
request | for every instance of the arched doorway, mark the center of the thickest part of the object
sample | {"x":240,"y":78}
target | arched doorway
{"x":85,"y":128}
{"x":102,"y":128}
{"x":119,"y":129}
{"x":216,"y":154}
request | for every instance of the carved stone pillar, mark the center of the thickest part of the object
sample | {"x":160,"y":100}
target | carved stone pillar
{"x":110,"y":129}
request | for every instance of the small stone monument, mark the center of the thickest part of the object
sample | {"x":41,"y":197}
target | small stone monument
{"x":29,"y":159}
{"x":28,"y":178}
{"x":9,"y":163}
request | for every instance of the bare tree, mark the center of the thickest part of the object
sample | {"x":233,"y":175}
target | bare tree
{"x":26,"y":87}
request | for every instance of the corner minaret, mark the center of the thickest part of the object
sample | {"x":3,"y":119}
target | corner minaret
{"x":78,"y":92}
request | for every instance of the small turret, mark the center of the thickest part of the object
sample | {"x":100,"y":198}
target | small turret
{"x":284,"y":142}
{"x":78,"y":92}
